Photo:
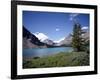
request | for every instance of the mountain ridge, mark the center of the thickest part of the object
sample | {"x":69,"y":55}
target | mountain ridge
{"x":32,"y":41}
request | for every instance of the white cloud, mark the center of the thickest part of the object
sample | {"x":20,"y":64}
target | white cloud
{"x":73,"y":15}
{"x":85,"y":27}
{"x":57,"y":29}
{"x":41,"y":36}
{"x":59,"y":40}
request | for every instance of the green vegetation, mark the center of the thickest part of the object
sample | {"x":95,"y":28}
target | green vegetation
{"x":61,"y":59}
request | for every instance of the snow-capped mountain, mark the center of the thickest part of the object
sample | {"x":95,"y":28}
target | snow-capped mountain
{"x":41,"y":36}
{"x":44,"y":38}
{"x":59,"y":40}
{"x":65,"y":41}
{"x":30,"y":40}
{"x":57,"y":43}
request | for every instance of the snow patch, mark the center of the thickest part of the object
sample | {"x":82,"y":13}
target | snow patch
{"x":41,"y":36}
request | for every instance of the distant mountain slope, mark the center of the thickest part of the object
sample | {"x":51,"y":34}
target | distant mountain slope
{"x":67,"y":41}
{"x":49,"y":42}
{"x":28,"y":44}
{"x":31,"y":41}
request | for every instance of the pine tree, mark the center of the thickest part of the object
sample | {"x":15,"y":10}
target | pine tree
{"x":77,"y":41}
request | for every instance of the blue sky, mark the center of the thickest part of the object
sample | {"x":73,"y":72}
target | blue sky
{"x":55,"y":25}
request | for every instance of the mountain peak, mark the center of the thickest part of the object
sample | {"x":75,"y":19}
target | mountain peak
{"x":59,"y":40}
{"x":41,"y":36}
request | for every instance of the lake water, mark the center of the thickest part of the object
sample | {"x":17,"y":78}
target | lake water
{"x":39,"y":52}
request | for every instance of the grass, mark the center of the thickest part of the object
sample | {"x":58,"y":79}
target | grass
{"x":61,"y":59}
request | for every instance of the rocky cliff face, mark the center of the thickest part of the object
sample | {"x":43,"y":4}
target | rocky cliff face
{"x":49,"y":42}
{"x":67,"y":41}
{"x":31,"y":41}
{"x":28,"y":44}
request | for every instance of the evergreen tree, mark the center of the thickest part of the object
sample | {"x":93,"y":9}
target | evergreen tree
{"x":77,"y":41}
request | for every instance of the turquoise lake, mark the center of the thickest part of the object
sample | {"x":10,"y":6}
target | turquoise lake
{"x":40,"y":52}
